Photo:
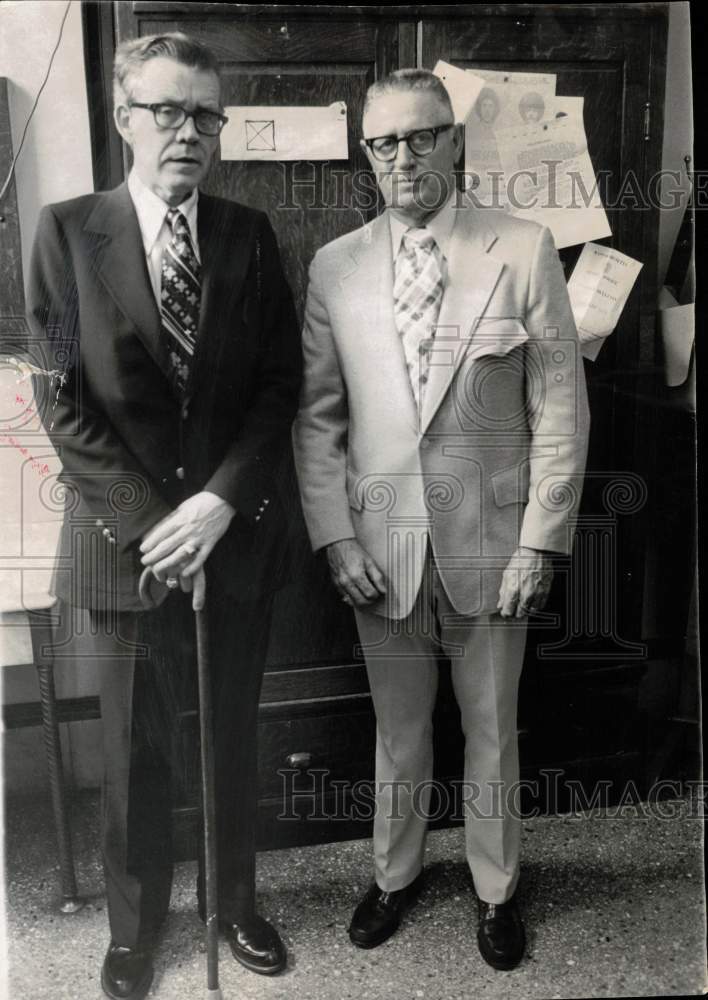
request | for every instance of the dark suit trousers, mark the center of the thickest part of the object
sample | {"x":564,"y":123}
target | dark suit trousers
{"x":147,"y":666}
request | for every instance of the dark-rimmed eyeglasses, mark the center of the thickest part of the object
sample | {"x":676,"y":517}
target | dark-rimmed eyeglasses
{"x":174,"y":116}
{"x":420,"y":142}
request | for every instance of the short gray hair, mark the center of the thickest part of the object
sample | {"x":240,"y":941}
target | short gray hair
{"x":132,"y":54}
{"x":402,"y":80}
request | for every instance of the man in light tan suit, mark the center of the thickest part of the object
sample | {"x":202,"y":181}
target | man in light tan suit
{"x":440,"y":446}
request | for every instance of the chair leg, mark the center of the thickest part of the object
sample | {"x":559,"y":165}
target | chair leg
{"x":70,"y":899}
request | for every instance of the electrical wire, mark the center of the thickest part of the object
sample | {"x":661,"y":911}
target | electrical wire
{"x":15,"y":158}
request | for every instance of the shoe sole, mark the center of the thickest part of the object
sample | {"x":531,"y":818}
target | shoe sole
{"x":139,"y":993}
{"x":374,"y":942}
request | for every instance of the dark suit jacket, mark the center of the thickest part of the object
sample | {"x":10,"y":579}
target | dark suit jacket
{"x":131,"y":451}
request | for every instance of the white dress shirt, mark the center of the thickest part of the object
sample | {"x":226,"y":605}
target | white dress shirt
{"x":440,"y":227}
{"x":155,"y":231}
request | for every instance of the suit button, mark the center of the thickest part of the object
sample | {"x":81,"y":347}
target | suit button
{"x":185,"y":412}
{"x":179,"y":472}
{"x":425,"y":443}
{"x":266,"y":502}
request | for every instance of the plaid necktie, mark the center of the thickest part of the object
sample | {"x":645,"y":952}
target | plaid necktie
{"x":417,"y":294}
{"x":180,"y":298}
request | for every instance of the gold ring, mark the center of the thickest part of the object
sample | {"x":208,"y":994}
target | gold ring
{"x":172,"y":582}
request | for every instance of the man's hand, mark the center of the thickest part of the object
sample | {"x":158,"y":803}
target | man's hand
{"x":180,"y":543}
{"x":197,"y":585}
{"x":526,"y":583}
{"x":354,"y":573}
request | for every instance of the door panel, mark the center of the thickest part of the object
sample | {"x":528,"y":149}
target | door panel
{"x":604,"y":55}
{"x":315,"y":694}
{"x":309,"y":62}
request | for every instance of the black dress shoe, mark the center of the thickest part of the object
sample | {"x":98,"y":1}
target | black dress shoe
{"x":126,"y":973}
{"x":501,"y":937}
{"x":379,"y":913}
{"x":256,"y":944}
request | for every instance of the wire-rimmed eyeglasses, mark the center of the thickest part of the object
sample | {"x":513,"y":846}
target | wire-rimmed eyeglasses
{"x":421,"y":142}
{"x":174,"y":116}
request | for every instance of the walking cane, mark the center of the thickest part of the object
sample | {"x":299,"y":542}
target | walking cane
{"x":146,"y":590}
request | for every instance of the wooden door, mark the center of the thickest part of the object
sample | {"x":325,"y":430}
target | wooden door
{"x":316,"y":721}
{"x":317,"y":725}
{"x":580,"y":685}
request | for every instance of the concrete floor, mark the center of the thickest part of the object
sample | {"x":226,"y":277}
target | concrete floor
{"x":614,"y":907}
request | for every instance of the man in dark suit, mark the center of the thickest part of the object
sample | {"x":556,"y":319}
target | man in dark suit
{"x":168,"y":317}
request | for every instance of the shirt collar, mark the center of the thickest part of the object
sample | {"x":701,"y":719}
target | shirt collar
{"x":440,"y":226}
{"x":151,"y":211}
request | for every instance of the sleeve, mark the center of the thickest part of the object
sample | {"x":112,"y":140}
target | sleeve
{"x":557,"y":405}
{"x":245,"y":476}
{"x":320,"y":431}
{"x":95,"y":461}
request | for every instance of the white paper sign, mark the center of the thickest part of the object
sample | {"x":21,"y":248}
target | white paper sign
{"x":274,"y":133}
{"x":562,"y":107}
{"x":550,"y":178}
{"x":505,"y":99}
{"x":598,"y":289}
{"x":462,"y":85}
{"x":678,"y":330}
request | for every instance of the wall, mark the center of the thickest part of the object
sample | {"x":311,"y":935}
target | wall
{"x":55,"y":162}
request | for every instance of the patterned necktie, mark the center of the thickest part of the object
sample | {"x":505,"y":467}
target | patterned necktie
{"x":180,"y":299}
{"x":417,"y":294}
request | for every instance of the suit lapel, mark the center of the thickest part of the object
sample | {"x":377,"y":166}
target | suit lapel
{"x":368,"y":286}
{"x":121,"y":266}
{"x":120,"y":263}
{"x":471,"y":278}
{"x":225,"y":249}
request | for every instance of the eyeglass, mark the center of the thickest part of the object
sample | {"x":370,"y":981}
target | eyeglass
{"x":174,"y":116}
{"x":421,"y":142}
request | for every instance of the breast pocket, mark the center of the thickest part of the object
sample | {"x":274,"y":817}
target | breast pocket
{"x":497,"y":335}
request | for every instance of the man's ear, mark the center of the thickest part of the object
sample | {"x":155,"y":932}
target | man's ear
{"x":121,"y":117}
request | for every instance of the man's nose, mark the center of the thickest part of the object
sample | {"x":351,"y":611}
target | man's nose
{"x":187,"y":132}
{"x":404,"y":158}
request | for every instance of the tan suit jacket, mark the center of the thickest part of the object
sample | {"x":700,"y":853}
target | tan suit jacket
{"x":496,"y":455}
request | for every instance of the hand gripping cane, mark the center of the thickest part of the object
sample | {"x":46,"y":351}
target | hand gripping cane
{"x":148,"y":598}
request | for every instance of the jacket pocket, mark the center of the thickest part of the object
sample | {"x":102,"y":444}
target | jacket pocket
{"x":497,"y":336}
{"x":355,"y":486}
{"x":511,"y":485}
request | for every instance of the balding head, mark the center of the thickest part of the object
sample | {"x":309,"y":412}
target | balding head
{"x":417,"y":80}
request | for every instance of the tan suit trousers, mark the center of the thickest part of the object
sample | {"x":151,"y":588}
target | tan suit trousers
{"x":486,"y":655}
